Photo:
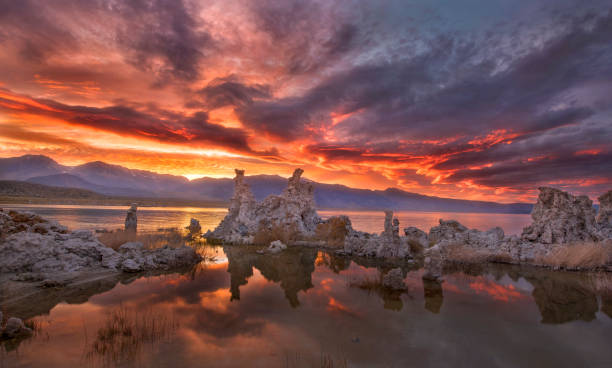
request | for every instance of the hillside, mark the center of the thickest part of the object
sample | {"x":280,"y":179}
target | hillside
{"x":117,"y":181}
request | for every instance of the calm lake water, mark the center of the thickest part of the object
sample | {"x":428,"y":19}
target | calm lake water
{"x":152,"y":218}
{"x":304,"y":308}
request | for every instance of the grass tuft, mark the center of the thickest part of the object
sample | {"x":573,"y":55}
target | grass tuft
{"x":588,"y":255}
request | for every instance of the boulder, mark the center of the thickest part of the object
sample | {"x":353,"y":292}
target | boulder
{"x":394,"y":280}
{"x":559,"y":217}
{"x":131,"y":220}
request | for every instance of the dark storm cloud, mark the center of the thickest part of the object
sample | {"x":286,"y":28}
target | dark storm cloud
{"x":162,"y":29}
{"x":158,"y":36}
{"x":229,"y":91}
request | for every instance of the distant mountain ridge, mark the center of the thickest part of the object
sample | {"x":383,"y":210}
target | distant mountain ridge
{"x":115,"y":180}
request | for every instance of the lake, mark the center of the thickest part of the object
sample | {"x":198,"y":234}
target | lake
{"x":152,"y":218}
{"x":307,"y":308}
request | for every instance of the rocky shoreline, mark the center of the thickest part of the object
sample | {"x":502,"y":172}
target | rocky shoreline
{"x":560,"y":221}
{"x":37,"y":250}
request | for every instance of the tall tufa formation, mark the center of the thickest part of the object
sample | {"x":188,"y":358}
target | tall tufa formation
{"x":293,"y":210}
{"x":559,"y":217}
{"x":131,"y":220}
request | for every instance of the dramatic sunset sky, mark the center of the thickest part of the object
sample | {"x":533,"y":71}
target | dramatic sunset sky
{"x":465,"y":99}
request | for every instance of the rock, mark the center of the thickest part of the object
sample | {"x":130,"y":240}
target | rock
{"x":12,"y":222}
{"x":130,"y":265}
{"x":433,"y":263}
{"x":604,"y":216}
{"x":131,"y":220}
{"x":276,"y":247}
{"x":48,"y":255}
{"x":447,"y":230}
{"x":293,"y":211}
{"x":194,"y":227}
{"x":394,"y":280}
{"x":15,"y":328}
{"x":386,"y":245}
{"x":416,"y":236}
{"x":559,"y":217}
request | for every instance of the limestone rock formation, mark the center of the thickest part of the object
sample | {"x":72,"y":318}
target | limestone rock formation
{"x":131,"y":220}
{"x":293,"y":210}
{"x":388,"y":244}
{"x":447,"y":230}
{"x":559,"y":217}
{"x":28,"y":252}
{"x":604,"y":216}
{"x":12,"y":222}
{"x":394,"y":280}
{"x":434,"y":262}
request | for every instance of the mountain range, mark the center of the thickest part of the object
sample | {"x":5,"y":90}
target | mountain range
{"x":115,"y":180}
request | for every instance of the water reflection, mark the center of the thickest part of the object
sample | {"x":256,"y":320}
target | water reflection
{"x":292,"y":269}
{"x":433,"y":294}
{"x":257,"y":310}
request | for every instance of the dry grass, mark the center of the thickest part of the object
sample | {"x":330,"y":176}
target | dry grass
{"x":415,"y":246}
{"x":126,"y":332}
{"x":267,"y":234}
{"x":152,"y":240}
{"x":578,"y":256}
{"x":333,"y":231}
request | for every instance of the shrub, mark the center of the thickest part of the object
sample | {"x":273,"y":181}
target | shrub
{"x":266,"y":234}
{"x":152,"y":240}
{"x":333,"y":231}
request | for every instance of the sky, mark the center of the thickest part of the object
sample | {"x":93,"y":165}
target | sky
{"x":484,"y":99}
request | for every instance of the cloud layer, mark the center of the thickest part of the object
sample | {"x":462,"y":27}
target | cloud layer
{"x":488,"y":103}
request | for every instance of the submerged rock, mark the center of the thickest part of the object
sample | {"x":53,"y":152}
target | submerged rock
{"x":131,"y":220}
{"x":394,"y":280}
{"x":559,"y":217}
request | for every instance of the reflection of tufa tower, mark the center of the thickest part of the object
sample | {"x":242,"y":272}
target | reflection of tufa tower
{"x":131,"y":220}
{"x":292,"y":270}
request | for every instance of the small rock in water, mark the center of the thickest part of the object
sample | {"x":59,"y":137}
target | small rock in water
{"x":131,"y":220}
